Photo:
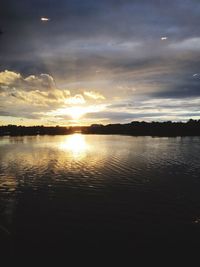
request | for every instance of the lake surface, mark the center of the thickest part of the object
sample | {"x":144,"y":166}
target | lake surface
{"x":94,"y":191}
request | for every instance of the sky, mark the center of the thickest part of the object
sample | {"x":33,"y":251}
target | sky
{"x":79,"y":62}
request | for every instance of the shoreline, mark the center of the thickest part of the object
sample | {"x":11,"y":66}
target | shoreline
{"x":114,"y":134}
{"x":135,"y":128}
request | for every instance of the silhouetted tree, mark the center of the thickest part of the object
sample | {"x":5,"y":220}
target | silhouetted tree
{"x":168,"y":128}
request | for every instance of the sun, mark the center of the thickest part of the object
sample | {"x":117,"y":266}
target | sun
{"x":76,"y":112}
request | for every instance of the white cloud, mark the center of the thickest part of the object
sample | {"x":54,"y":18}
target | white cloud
{"x":15,"y":80}
{"x":8,"y":77}
{"x":75,"y":100}
{"x":36,"y":97}
{"x":94,"y":95}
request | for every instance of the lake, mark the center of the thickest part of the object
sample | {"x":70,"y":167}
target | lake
{"x":80,"y":192}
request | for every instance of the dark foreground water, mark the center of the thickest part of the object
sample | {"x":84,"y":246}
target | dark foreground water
{"x":80,"y":193}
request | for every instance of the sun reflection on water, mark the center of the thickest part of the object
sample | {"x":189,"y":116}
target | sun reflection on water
{"x":76,"y":145}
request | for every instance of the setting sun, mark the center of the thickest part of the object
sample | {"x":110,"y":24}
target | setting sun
{"x":76,"y":112}
{"x":99,"y":130}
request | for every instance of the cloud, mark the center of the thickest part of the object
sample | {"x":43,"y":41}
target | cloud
{"x":13,"y":80}
{"x":121,"y":116}
{"x":8,"y":78}
{"x":94,"y":95}
{"x":185,"y":89}
{"x":37,"y":97}
{"x":4,"y":113}
{"x":29,"y":97}
{"x":192,"y":44}
{"x":75,"y":100}
{"x":112,"y":46}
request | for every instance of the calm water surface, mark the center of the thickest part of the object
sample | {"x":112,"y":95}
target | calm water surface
{"x":99,"y":191}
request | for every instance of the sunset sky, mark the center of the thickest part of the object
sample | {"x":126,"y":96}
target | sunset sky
{"x":69,"y":62}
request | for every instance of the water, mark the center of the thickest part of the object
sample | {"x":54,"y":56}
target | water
{"x":86,"y":191}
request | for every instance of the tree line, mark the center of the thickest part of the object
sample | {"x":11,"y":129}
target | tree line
{"x":136,"y":128}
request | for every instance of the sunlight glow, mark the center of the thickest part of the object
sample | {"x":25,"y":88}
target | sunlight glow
{"x":74,"y":100}
{"x":76,"y":112}
{"x":75,"y":144}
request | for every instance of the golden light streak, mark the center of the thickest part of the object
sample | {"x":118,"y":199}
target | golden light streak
{"x":76,"y":145}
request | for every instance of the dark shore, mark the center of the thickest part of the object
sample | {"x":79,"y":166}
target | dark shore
{"x":135,"y":128}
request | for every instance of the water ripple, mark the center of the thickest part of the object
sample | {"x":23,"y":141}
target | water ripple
{"x":148,"y":175}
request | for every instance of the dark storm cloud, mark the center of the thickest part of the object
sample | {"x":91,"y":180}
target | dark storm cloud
{"x":79,"y":20}
{"x":183,"y":89}
{"x":181,"y":92}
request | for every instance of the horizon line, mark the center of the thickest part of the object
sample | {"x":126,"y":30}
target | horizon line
{"x":100,"y":124}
